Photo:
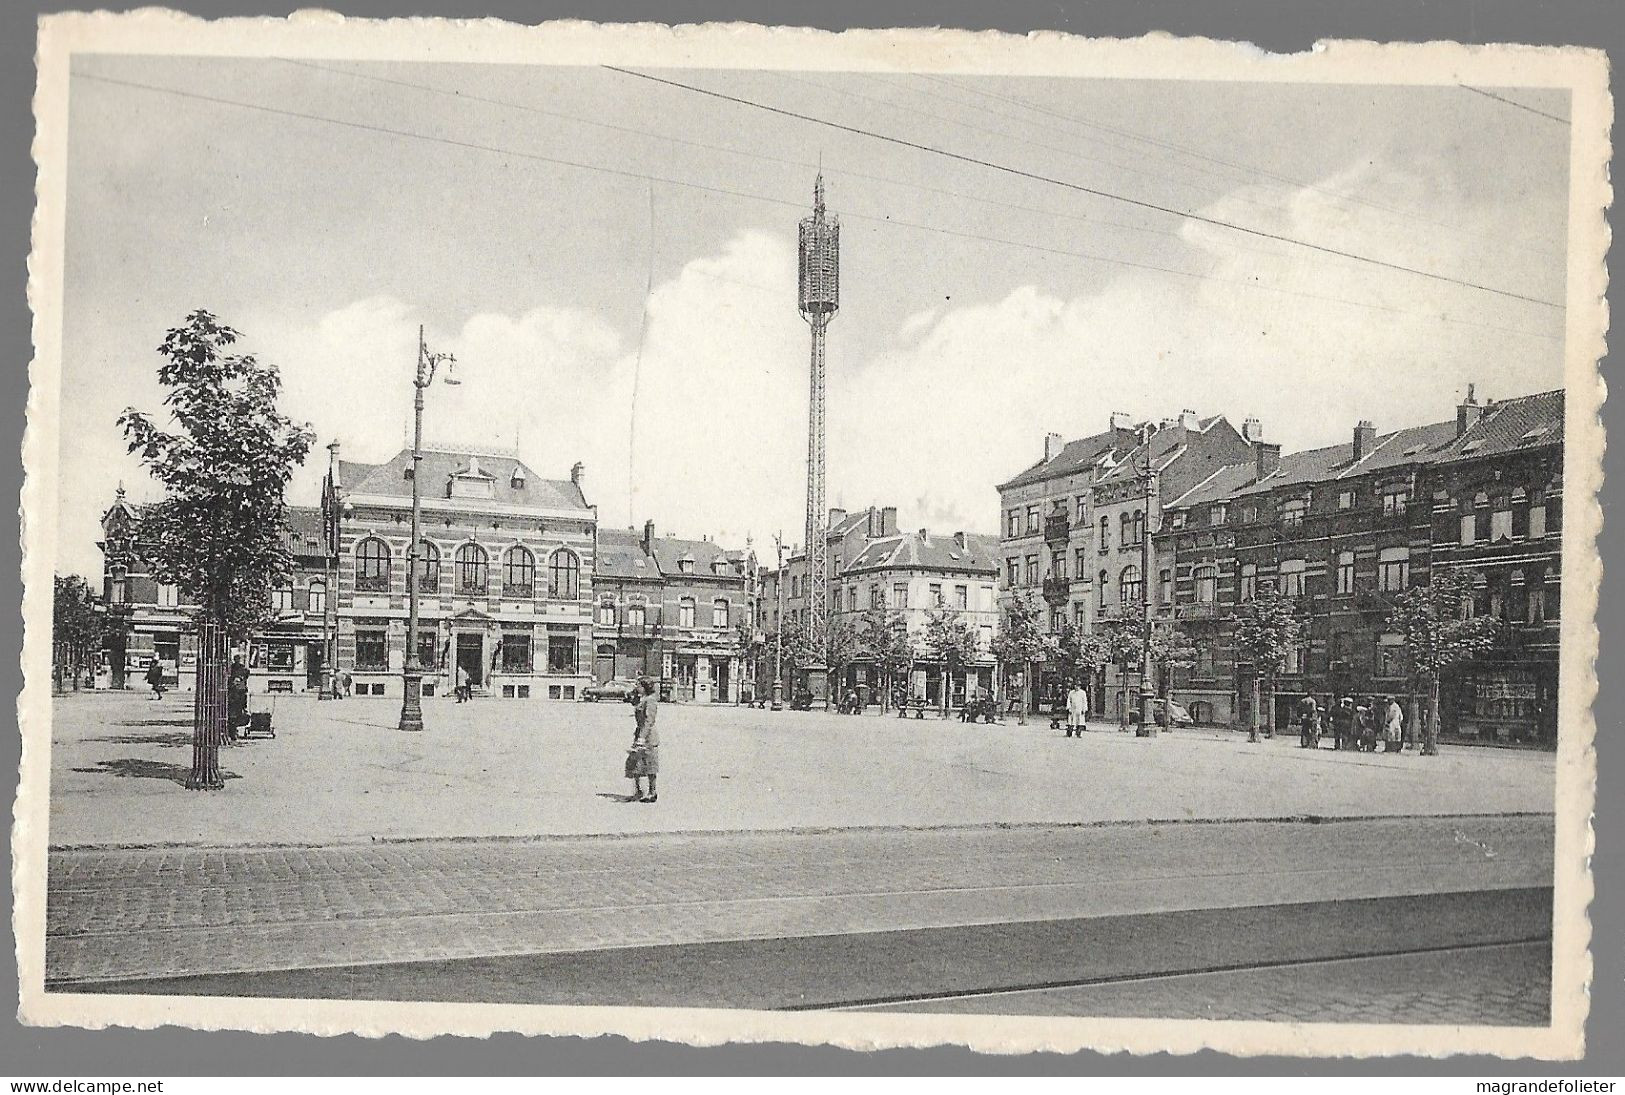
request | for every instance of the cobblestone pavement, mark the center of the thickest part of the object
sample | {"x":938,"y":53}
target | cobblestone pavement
{"x":1497,"y":985}
{"x":341,"y":772}
{"x":159,"y":912}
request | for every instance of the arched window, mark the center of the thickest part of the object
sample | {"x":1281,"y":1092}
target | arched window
{"x":719,"y":612}
{"x":606,"y":614}
{"x":685,"y":612}
{"x":471,"y":569}
{"x":1105,"y":534}
{"x":316,"y":596}
{"x":563,"y":575}
{"x":1129,"y":586}
{"x":1100,"y":591}
{"x":428,"y":567}
{"x":1125,"y":529}
{"x":519,"y":572}
{"x":372,"y":564}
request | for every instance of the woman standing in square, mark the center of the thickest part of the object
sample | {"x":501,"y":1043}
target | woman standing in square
{"x":644,"y":760}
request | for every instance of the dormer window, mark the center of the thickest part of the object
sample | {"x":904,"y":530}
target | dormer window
{"x":517,"y":480}
{"x":685,"y":565}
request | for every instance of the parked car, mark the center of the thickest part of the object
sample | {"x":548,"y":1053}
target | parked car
{"x":1167,"y":713}
{"x":610,"y":690}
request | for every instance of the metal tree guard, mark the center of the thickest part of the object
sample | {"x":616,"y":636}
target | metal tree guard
{"x":208,"y":707}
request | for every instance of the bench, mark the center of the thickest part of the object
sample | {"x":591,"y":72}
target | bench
{"x":279,"y":686}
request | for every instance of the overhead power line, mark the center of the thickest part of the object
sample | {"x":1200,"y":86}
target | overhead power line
{"x":475,"y":146}
{"x":1081,"y":188}
{"x":1233,"y":167}
{"x":1513,"y":102}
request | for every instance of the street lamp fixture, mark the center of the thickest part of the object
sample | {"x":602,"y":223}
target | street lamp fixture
{"x":412,"y":674}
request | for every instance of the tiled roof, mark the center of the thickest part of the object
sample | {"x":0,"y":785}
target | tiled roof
{"x":1074,"y":456}
{"x":437,"y":468}
{"x":304,"y":530}
{"x":979,"y":554}
{"x":1413,"y":445}
{"x":1220,"y":485}
{"x":620,"y":554}
{"x":670,"y":553}
{"x":1509,"y":425}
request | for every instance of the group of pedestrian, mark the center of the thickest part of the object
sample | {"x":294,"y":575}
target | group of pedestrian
{"x":1356,"y":726}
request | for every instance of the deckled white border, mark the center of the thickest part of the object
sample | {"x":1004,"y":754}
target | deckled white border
{"x":326,"y":35}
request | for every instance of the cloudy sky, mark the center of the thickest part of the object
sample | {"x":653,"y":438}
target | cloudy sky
{"x":612,"y":261}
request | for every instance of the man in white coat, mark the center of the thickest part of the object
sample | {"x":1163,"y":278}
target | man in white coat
{"x":1077,"y":709}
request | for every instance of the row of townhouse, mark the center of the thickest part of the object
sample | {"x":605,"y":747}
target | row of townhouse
{"x":873,"y":565}
{"x":1342,"y":528}
{"x":509,"y":582}
{"x":1346,"y":528}
{"x":1075,"y":524}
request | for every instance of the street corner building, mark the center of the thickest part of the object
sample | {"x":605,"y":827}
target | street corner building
{"x":674,"y":609}
{"x":1341,"y":529}
{"x":873,"y":565}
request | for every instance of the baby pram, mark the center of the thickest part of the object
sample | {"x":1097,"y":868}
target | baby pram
{"x":259,"y":724}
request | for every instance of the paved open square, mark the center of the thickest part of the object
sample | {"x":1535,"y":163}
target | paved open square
{"x":340,"y":772}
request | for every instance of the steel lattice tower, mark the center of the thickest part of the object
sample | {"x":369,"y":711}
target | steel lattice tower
{"x":819,"y":291}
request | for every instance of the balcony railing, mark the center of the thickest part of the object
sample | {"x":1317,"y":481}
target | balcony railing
{"x":1196,"y":610}
{"x":1056,"y":589}
{"x":1057,"y":528}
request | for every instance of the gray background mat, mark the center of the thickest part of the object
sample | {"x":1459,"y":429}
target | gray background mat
{"x":1279,"y":25}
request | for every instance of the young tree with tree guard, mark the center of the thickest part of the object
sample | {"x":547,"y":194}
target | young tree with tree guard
{"x":948,"y":639}
{"x":1268,"y":629}
{"x":1441,"y":632}
{"x":219,"y":531}
{"x":78,"y":627}
{"x":1021,"y":642}
{"x":884,"y":637}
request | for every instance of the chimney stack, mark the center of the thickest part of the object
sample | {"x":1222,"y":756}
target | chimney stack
{"x":888,"y":521}
{"x":836,"y":516}
{"x":1365,"y":439}
{"x":1267,"y":458}
{"x":1188,"y":419}
{"x":1468,"y":412}
{"x":925,"y":536}
{"x":959,"y":538}
{"x":1053,"y":444}
{"x":1252,"y":429}
{"x":649,"y":537}
{"x":578,"y":472}
{"x":872,"y":527}
{"x":1123,"y":426}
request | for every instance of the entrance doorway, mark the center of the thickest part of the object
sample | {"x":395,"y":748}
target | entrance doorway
{"x":719,"y":680}
{"x":471,"y":656}
{"x":604,"y":663}
{"x":313,"y":665}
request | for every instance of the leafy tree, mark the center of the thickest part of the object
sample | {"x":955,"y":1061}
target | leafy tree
{"x":1268,"y":630}
{"x":78,"y":626}
{"x":1440,"y":633}
{"x":840,"y":649}
{"x":1171,"y":649}
{"x":947,"y":638}
{"x":1021,"y":642}
{"x":1119,"y":642}
{"x":786,"y":649}
{"x":884,"y":637}
{"x":219,"y":530}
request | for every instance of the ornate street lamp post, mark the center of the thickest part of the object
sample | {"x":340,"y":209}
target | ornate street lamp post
{"x":1148,"y":716}
{"x":412,"y":674}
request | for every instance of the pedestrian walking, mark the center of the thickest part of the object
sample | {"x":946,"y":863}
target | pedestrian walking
{"x":1308,"y":724}
{"x":1393,"y":731}
{"x":1077,"y":710}
{"x":1365,"y":725}
{"x":236,"y":698}
{"x":643,"y":759}
{"x":463,"y":692}
{"x":155,"y":678}
{"x":1342,"y":720}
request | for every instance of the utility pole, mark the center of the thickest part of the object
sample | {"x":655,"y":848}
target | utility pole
{"x":778,"y":631}
{"x":412,"y":673}
{"x":1148,"y":717}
